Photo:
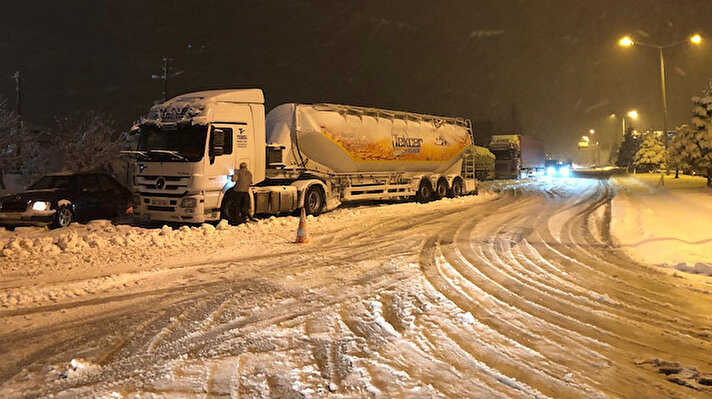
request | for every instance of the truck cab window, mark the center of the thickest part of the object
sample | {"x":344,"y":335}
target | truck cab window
{"x":226,"y":140}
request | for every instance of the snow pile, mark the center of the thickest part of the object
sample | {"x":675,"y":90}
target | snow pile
{"x":100,"y":256}
{"x":666,"y":226}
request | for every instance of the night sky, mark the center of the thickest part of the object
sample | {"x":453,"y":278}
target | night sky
{"x":551,"y":69}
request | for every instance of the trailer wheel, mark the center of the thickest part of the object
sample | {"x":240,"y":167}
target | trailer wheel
{"x":314,"y":200}
{"x":425,"y":191}
{"x":441,"y":189}
{"x":457,"y":188}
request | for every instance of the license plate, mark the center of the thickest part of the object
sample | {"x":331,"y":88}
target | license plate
{"x":160,"y":202}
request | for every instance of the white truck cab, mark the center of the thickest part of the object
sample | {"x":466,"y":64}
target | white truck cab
{"x":190,"y":146}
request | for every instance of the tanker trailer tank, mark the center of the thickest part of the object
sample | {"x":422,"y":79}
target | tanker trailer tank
{"x":349,"y":139}
{"x":369,"y":153}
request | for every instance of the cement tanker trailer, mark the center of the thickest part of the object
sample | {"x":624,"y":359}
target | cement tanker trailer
{"x":313,"y":156}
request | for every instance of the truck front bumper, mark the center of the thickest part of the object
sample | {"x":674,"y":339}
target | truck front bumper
{"x":155,"y":208}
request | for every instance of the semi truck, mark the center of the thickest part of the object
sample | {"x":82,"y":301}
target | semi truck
{"x":517,"y":156}
{"x":314,"y":156}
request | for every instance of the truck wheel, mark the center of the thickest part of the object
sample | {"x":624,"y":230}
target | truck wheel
{"x":441,"y":190}
{"x":314,"y":201}
{"x":63,"y":217}
{"x":425,"y":192}
{"x":457,"y":188}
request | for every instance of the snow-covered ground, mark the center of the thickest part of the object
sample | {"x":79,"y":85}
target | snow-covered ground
{"x":668,"y":226}
{"x":519,"y":292}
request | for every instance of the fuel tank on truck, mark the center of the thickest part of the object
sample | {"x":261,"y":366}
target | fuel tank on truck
{"x":347,"y":139}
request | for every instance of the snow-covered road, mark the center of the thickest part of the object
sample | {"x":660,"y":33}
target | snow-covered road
{"x":521,"y":293}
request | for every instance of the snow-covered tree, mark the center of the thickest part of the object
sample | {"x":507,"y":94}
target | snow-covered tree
{"x":651,"y":154}
{"x":680,"y":149}
{"x":85,"y":141}
{"x":698,"y":149}
{"x":19,"y":152}
{"x":627,"y":149}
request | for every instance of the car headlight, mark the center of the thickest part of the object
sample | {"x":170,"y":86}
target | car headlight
{"x":40,"y":206}
{"x":188,"y":203}
{"x":565,"y":171}
{"x":551,"y":171}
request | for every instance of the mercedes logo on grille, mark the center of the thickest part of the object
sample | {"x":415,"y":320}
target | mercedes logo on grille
{"x":160,"y":183}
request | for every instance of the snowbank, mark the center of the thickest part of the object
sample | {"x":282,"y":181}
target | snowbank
{"x":100,"y":256}
{"x":665,"y":226}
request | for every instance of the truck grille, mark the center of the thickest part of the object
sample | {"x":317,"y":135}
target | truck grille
{"x":14,"y":206}
{"x":163,"y":186}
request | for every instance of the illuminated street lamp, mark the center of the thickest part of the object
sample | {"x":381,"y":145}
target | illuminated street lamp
{"x":628,"y":42}
{"x":591,"y":131}
{"x":633,"y":114}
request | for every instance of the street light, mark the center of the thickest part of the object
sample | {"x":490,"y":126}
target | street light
{"x":633,"y":114}
{"x":591,"y":131}
{"x":628,"y":42}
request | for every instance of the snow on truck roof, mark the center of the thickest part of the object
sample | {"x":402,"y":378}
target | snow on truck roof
{"x":386,"y":113}
{"x":227,"y":95}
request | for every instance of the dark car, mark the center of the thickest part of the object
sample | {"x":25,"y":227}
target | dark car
{"x":59,"y":199}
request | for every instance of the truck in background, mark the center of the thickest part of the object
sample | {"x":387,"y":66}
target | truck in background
{"x":517,"y":156}
{"x":301,"y":155}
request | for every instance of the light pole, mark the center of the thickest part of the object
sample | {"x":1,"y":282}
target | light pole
{"x":628,"y":42}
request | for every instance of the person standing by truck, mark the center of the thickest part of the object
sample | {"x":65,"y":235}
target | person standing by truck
{"x":241,"y":193}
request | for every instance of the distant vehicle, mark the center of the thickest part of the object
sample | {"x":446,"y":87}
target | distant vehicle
{"x":557,"y":168}
{"x":517,"y":156}
{"x":57,"y":200}
{"x":313,"y":156}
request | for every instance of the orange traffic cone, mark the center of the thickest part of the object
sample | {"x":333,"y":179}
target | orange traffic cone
{"x":302,"y":230}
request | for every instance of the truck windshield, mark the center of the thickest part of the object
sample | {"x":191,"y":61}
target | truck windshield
{"x":502,"y":155}
{"x":185,"y":144}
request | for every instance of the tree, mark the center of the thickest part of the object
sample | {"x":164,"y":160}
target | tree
{"x":19,"y":152}
{"x":692,"y":145}
{"x":85,"y":141}
{"x":79,"y":142}
{"x":698,"y":149}
{"x":627,"y":149}
{"x":680,"y":149}
{"x":650,"y":154}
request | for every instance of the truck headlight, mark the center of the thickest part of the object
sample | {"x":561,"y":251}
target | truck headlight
{"x":40,"y":206}
{"x":188,"y":203}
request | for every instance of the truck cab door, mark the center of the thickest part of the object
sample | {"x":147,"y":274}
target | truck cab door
{"x":220,"y":153}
